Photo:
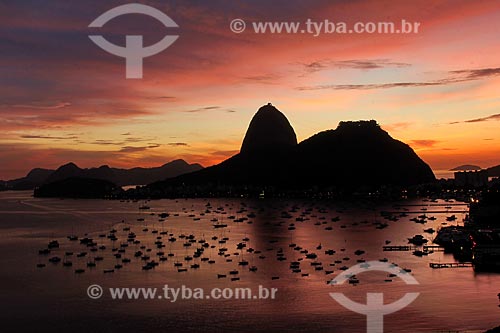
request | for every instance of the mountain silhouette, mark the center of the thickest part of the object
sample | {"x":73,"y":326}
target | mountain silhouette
{"x":269,"y":143}
{"x":269,"y":130}
{"x":121,"y":177}
{"x":494,"y":171}
{"x":466,"y":167}
{"x":360,"y":153}
{"x":65,"y":171}
{"x":34,"y":178}
{"x":356,"y":154}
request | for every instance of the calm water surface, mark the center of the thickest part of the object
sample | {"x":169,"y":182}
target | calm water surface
{"x":55,"y":297}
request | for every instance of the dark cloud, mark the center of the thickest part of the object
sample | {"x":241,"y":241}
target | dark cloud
{"x":376,"y":85}
{"x":126,"y":141}
{"x":265,"y":78}
{"x":134,"y":149}
{"x":369,"y":64}
{"x":69,"y":137}
{"x":319,"y":65}
{"x":137,"y":139}
{"x":210,"y":108}
{"x":85,"y":114}
{"x":478,"y":120}
{"x":453,"y":77}
{"x":107,"y":142}
{"x":163,"y":97}
{"x":178,"y":144}
{"x":206,"y":108}
{"x":314,"y":66}
{"x":130,"y":149}
{"x":475,"y":74}
{"x":38,"y":105}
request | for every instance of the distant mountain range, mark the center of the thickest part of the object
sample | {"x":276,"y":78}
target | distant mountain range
{"x":356,"y":154}
{"x":120,"y":177}
{"x":492,"y":172}
{"x":34,"y":178}
{"x":466,"y":167}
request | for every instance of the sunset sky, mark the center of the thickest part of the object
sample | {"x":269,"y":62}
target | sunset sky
{"x":62,"y":98}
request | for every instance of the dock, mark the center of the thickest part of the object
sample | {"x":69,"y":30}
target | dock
{"x":434,"y":248}
{"x":465,"y":211}
{"x":436,"y":265}
{"x":399,"y":248}
{"x":433,"y":204}
{"x":425,"y":248}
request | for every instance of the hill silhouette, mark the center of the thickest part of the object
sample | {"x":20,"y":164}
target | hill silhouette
{"x":34,"y":178}
{"x":121,"y":177}
{"x":354,"y":155}
{"x":360,"y":153}
{"x":494,"y":171}
{"x":466,"y":167}
{"x":269,"y":130}
{"x":269,"y":143}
